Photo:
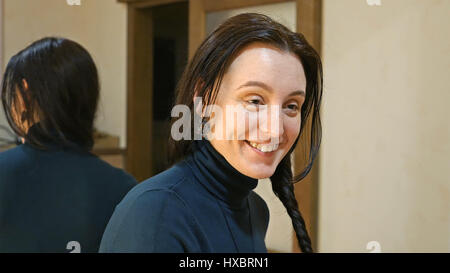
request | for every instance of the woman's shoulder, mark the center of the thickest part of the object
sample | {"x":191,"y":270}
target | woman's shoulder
{"x":165,"y":181}
{"x":27,"y":162}
{"x":156,"y":191}
{"x":150,"y":213}
{"x":14,"y":161}
{"x":12,"y":154}
{"x":149,"y":200}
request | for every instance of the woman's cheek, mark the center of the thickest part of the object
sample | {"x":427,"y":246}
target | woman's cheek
{"x":252,"y":126}
{"x":238,"y":122}
{"x":292,"y":129}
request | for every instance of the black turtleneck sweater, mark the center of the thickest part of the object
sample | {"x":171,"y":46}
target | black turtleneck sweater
{"x":201,"y":204}
{"x":51,"y":197}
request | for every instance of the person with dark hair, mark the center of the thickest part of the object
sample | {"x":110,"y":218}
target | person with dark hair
{"x":55,"y":195}
{"x":205,"y":202}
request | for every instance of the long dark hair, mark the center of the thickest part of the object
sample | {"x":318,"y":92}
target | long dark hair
{"x":204,"y":74}
{"x":62,"y":95}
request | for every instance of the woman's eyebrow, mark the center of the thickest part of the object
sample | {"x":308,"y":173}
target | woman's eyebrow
{"x":268,"y":88}
{"x":258,"y":84}
{"x":298,"y":92}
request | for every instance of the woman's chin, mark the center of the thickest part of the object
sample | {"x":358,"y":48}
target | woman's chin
{"x":258,"y":172}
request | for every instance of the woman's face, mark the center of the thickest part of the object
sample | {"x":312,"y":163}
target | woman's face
{"x":264,"y":89}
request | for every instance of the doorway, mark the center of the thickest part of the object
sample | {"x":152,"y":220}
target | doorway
{"x":156,"y":55}
{"x":170,"y":40}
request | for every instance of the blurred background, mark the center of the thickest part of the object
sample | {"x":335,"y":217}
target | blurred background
{"x":382,"y":179}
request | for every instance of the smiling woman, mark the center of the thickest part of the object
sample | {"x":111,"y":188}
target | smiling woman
{"x":205,"y":202}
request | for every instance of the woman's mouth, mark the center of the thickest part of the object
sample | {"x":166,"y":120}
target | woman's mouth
{"x":262,"y":148}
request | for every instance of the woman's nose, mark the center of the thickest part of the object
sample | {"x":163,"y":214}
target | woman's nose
{"x":271,"y":126}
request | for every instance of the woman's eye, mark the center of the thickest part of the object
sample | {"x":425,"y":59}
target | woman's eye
{"x":254,"y":101}
{"x":254,"y":104}
{"x":293,"y":107}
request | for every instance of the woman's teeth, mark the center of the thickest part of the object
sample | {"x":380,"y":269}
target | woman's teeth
{"x":266,"y":148}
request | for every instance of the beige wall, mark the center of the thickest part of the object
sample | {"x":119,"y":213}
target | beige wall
{"x":99,"y":25}
{"x":384,"y":173}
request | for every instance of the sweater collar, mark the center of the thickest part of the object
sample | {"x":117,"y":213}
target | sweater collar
{"x":217,"y":175}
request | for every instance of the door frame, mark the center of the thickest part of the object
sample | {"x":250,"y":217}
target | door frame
{"x":309,"y":19}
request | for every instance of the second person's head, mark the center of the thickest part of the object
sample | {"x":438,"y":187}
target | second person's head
{"x":53,"y":87}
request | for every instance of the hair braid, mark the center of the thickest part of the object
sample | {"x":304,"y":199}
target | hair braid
{"x":283,"y":188}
